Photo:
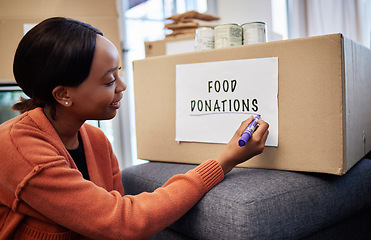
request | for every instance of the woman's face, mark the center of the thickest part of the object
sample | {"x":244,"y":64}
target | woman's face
{"x":98,"y":96}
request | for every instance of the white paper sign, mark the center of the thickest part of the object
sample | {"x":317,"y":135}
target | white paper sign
{"x":212,"y":99}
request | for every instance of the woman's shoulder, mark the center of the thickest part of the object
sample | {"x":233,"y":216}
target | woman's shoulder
{"x":30,"y":123}
{"x":30,"y":135}
{"x":14,"y":125}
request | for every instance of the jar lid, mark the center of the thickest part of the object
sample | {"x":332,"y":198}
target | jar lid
{"x":254,"y":24}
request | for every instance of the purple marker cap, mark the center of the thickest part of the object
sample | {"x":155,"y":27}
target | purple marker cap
{"x":246,"y":135}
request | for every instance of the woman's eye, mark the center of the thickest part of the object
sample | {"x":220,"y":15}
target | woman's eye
{"x":111,"y":82}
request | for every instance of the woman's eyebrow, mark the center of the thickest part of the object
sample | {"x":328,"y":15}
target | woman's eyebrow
{"x":109,"y":71}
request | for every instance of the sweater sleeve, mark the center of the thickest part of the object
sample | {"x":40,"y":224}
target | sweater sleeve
{"x":60,"y":194}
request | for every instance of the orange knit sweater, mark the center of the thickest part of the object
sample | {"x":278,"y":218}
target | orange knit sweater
{"x":44,"y":196}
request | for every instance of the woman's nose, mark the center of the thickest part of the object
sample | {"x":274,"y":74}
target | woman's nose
{"x":121,"y":86}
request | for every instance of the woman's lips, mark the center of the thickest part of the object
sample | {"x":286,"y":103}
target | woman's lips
{"x":116,"y":104}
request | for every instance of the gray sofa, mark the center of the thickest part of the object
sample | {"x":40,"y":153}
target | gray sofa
{"x":268,"y":204}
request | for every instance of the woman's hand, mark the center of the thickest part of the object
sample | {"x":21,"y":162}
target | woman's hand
{"x":233,"y":154}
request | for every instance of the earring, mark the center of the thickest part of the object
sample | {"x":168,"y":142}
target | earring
{"x":66,"y":103}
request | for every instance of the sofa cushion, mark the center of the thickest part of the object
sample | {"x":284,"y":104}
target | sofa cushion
{"x":261,"y":203}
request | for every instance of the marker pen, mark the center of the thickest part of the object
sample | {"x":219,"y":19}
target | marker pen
{"x":248,"y":132}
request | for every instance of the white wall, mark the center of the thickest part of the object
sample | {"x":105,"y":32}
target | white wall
{"x":242,"y":11}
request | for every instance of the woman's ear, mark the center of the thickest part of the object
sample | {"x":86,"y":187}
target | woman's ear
{"x":62,"y":96}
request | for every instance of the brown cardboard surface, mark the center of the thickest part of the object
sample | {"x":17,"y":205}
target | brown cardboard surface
{"x":312,"y":125}
{"x":13,"y":14}
{"x":357,"y":99}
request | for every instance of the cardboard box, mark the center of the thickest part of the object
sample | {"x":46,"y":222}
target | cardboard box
{"x":14,"y":14}
{"x":324,"y":105}
{"x":159,"y":48}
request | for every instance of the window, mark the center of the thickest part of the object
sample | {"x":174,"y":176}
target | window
{"x":142,"y":21}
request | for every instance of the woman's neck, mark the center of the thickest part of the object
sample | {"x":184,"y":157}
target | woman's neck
{"x":66,"y":127}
